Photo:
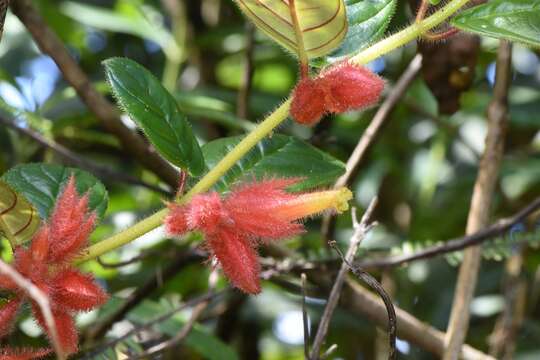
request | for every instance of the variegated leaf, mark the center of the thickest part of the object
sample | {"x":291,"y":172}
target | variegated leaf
{"x":19,"y":220}
{"x":323,"y":23}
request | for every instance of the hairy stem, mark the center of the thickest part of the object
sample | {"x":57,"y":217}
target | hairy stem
{"x":266,"y":127}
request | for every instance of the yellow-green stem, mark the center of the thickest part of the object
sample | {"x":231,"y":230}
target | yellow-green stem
{"x":264,"y":128}
{"x":150,"y":223}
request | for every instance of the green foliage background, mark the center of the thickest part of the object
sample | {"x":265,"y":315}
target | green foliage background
{"x":423,"y":167}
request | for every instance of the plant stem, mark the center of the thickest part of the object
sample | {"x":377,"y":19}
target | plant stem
{"x":263,"y":129}
{"x":152,"y":222}
{"x":300,"y":48}
{"x":408,"y":34}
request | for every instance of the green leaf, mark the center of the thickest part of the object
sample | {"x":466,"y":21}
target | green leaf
{"x":517,"y":20}
{"x":368,"y":20}
{"x":19,"y":220}
{"x":154,"y":109}
{"x":279,"y":155}
{"x":42,"y":184}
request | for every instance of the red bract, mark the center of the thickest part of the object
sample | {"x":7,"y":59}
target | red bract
{"x":339,"y":88}
{"x":234,"y":225}
{"x":47,"y":264}
{"x":23,"y":354}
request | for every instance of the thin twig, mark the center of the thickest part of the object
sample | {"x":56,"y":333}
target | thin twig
{"x":502,"y":341}
{"x":498,"y":228}
{"x":210,"y":295}
{"x":99,"y":170}
{"x":41,"y":299}
{"x":371,"y":134}
{"x":356,"y":239}
{"x":481,"y":202}
{"x":329,"y":351}
{"x":422,"y":9}
{"x":305,"y":320}
{"x":186,"y":329}
{"x":363,"y":303}
{"x":374,"y":285}
{"x":50,"y":44}
{"x":4,"y":4}
{"x":177,"y":264}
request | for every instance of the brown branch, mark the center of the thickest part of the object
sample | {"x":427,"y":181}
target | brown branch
{"x":50,"y":44}
{"x":481,"y":202}
{"x":41,"y":300}
{"x":502,"y":341}
{"x":360,"y":231}
{"x":101,"y":171}
{"x":4,"y":5}
{"x":370,"y":135}
{"x":375,"y":286}
{"x":500,"y":227}
{"x":361,"y":301}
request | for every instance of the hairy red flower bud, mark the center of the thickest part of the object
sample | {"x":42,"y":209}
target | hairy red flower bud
{"x":65,"y":328}
{"x":309,"y":101}
{"x":46,"y":263}
{"x":341,"y":87}
{"x":23,"y":354}
{"x":238,"y":259}
{"x":253,"y":211}
{"x":70,"y":224}
{"x":78,"y":292}
{"x":8,"y":312}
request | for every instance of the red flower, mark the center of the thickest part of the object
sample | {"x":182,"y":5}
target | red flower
{"x":234,"y":225}
{"x":339,"y":88}
{"x":47,"y":264}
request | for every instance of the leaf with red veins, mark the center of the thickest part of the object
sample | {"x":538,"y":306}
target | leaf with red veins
{"x":252,"y":207}
{"x":308,"y":104}
{"x":76,"y":291}
{"x":238,"y":259}
{"x":350,"y":87}
{"x":8,"y":313}
{"x":176,"y":220}
{"x":23,"y":353}
{"x":65,"y":328}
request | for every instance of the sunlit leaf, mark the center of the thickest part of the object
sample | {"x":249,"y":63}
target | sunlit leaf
{"x":19,"y":220}
{"x":517,"y":20}
{"x":323,"y":23}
